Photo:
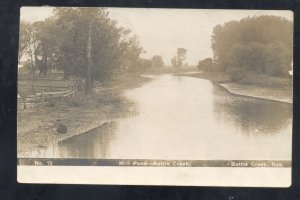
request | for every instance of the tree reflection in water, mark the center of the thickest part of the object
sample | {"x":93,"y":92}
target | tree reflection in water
{"x":92,"y":144}
{"x":188,"y":118}
{"x":251,"y":114}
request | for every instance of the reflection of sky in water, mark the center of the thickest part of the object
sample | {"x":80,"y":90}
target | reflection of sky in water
{"x":188,"y":118}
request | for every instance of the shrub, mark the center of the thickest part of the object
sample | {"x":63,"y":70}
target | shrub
{"x":206,"y":65}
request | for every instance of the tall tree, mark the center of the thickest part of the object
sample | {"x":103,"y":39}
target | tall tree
{"x":179,"y":58}
{"x":27,"y":43}
{"x":45,"y":32}
{"x":92,"y":46}
{"x":86,"y":43}
{"x":254,"y":44}
{"x":25,"y":38}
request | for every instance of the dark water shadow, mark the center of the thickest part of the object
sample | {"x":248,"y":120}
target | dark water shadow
{"x":251,"y":114}
{"x":94,"y":143}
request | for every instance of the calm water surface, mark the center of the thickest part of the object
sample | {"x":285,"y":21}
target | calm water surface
{"x":187,"y":118}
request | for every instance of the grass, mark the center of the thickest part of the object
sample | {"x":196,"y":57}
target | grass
{"x":265,"y":81}
{"x":259,"y":80}
{"x":255,"y":85}
{"x":97,"y":99}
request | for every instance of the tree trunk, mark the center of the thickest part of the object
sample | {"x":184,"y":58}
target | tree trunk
{"x":45,"y":66}
{"x":37,"y":63}
{"x":31,"y":59}
{"x":88,"y":80}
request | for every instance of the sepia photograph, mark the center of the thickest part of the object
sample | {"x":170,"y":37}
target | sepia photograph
{"x":155,"y":96}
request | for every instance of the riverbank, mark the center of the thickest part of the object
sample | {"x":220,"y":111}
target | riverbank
{"x":277,"y":91}
{"x":37,"y":126}
{"x":282,"y":94}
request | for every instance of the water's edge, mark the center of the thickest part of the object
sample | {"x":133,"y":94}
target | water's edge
{"x":232,"y":91}
{"x":214,"y":83}
{"x":226,"y":88}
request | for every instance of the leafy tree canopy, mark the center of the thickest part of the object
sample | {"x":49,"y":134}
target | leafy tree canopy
{"x":177,"y":60}
{"x":255,"y":44}
{"x":61,"y":42}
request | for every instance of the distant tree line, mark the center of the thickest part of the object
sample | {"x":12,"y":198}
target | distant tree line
{"x":261,"y":45}
{"x":143,"y":64}
{"x":178,"y":60}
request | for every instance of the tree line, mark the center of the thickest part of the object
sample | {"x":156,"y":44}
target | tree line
{"x":82,"y":42}
{"x":258,"y":45}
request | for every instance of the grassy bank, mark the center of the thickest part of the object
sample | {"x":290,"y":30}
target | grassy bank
{"x":260,"y":86}
{"x":37,"y":125}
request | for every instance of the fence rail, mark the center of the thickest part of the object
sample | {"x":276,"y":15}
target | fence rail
{"x":40,"y":94}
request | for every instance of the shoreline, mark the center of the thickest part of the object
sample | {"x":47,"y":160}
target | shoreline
{"x":232,"y":88}
{"x":37,"y":130}
{"x":280,"y":94}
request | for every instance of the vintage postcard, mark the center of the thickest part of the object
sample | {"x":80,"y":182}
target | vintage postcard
{"x":137,"y":96}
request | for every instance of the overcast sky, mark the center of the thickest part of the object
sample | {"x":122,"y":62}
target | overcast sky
{"x":162,"y":31}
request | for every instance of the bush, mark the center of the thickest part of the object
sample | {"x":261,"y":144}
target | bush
{"x":206,"y":65}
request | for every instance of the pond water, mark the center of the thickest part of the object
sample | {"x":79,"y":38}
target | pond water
{"x":187,"y":118}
